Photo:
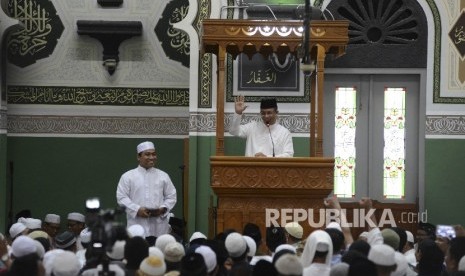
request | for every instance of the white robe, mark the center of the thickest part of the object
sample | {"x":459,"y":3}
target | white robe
{"x":316,"y":269}
{"x":261,"y":138}
{"x":151,"y":188}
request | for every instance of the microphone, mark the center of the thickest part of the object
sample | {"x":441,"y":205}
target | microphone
{"x":271,"y":137}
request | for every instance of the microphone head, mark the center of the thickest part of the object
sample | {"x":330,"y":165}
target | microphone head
{"x":267,"y":124}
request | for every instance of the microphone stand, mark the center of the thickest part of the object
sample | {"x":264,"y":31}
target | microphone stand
{"x":271,"y":137}
{"x":306,"y":36}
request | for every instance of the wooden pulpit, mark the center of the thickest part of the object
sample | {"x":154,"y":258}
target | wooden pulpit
{"x":246,"y":186}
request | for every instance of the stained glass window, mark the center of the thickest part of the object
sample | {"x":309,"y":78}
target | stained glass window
{"x":394,"y":143}
{"x":344,"y":150}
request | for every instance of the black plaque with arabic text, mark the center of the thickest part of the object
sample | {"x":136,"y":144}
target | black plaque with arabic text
{"x":260,"y":74}
{"x":457,"y":35}
{"x":175,"y":42}
{"x":40,"y":33}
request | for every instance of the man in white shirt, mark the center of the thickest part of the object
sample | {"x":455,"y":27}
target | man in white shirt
{"x":147,"y":193}
{"x":265,"y":138}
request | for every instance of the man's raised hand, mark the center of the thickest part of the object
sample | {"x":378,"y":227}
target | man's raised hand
{"x":239,"y":104}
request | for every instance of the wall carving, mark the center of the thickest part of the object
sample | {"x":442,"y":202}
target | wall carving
{"x":277,"y":177}
{"x":98,"y":96}
{"x":97,"y":125}
{"x":260,"y":206}
{"x":76,"y":61}
{"x":205,"y":61}
{"x":145,"y":68}
{"x":205,"y":81}
{"x":206,"y":122}
{"x":382,"y":34}
{"x":300,"y":123}
{"x":71,"y":70}
{"x":445,"y":125}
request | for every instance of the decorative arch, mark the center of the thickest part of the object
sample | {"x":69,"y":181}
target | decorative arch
{"x":382,"y":34}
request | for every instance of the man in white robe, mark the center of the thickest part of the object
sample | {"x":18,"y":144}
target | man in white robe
{"x":265,"y":138}
{"x":147,"y":193}
{"x":318,"y":251}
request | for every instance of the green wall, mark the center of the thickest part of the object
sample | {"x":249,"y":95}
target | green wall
{"x":3,"y":185}
{"x":57,"y":175}
{"x":445,"y":181}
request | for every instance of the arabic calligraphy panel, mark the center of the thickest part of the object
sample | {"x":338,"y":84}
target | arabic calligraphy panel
{"x":175,"y":42}
{"x":121,"y":96}
{"x":261,"y":77}
{"x":268,"y":74}
{"x":39,"y":36}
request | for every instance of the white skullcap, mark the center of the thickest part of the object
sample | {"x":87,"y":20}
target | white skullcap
{"x":49,"y":256}
{"x":294,"y":229}
{"x":136,"y":230}
{"x":52,"y":218}
{"x":117,"y":252}
{"x":66,"y":263}
{"x":322,"y":246}
{"x":251,"y":244}
{"x":410,"y":237}
{"x":38,"y":234}
{"x":462,"y":264}
{"x":402,"y":265}
{"x":145,"y":146}
{"x":163,"y":240}
{"x":31,"y":223}
{"x":40,"y":250}
{"x":22,"y":246}
{"x":289,"y":264}
{"x":339,"y":269}
{"x":334,"y":225}
{"x":286,"y":247}
{"x":209,"y":256}
{"x":235,"y":244}
{"x":382,"y":254}
{"x":85,"y":235}
{"x":318,"y":240}
{"x":77,"y":217}
{"x":153,"y":266}
{"x":16,"y":229}
{"x":197,"y":235}
{"x":174,"y":251}
{"x":155,"y":251}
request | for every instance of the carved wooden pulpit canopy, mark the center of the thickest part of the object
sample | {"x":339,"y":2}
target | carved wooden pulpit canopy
{"x":221,"y":36}
{"x":247,"y":186}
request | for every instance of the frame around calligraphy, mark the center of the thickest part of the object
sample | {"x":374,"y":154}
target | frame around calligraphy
{"x":301,"y":96}
{"x":438,"y":95}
